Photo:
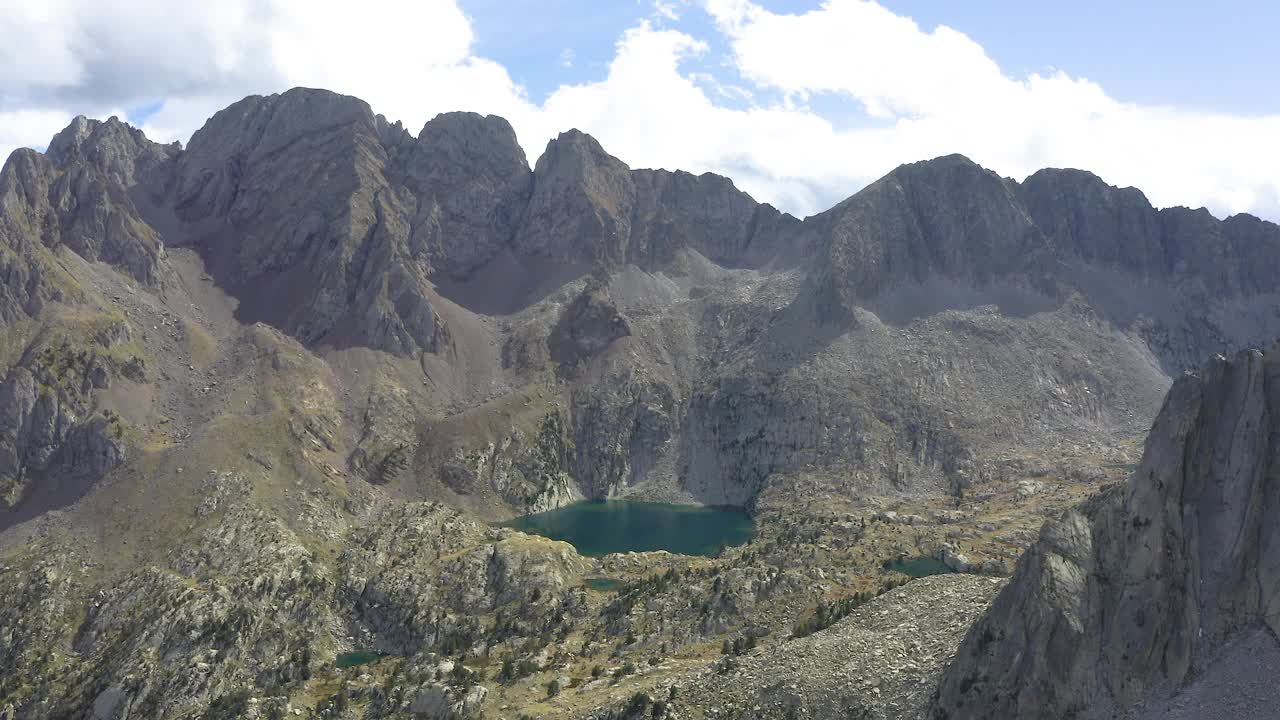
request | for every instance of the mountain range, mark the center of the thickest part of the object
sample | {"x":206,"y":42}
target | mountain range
{"x":260,"y":396}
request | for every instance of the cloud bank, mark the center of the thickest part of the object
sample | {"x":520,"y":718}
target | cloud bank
{"x":762,"y":115}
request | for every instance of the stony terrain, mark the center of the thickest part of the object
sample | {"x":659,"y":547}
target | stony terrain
{"x":262,"y":395}
{"x":882,"y":661}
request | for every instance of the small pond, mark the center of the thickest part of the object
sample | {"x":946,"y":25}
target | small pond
{"x":602,"y":584}
{"x":918,"y":567}
{"x":601,"y":527}
{"x":359,"y":657}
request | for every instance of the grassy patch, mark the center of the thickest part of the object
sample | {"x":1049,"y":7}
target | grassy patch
{"x":201,"y":346}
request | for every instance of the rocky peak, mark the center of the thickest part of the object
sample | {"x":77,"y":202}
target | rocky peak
{"x":276,"y":131}
{"x":1094,"y":221}
{"x":1099,"y":225}
{"x":706,"y":213}
{"x":70,"y":138}
{"x":259,"y":125}
{"x":84,"y":192}
{"x":589,"y":207}
{"x":115,"y":150}
{"x":944,"y":222}
{"x":1133,"y":596}
{"x":1217,"y":258}
{"x":463,"y":139}
{"x":472,"y":182}
{"x":580,"y":209}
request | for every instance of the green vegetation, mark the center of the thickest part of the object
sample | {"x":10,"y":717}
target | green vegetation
{"x":829,"y":613}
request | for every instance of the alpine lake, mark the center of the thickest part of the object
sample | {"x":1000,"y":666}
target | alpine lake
{"x":597,"y":528}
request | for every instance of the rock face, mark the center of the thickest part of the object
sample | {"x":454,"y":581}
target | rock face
{"x":586,"y":327}
{"x":945,"y":221}
{"x":948,"y":234}
{"x":84,"y":194}
{"x":589,"y":207}
{"x":1134,"y":596}
{"x":1179,"y":277}
{"x":47,"y":425}
{"x":290,"y":199}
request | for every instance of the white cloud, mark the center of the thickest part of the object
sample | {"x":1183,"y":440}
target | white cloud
{"x":29,"y":128}
{"x":666,"y":10}
{"x":918,"y":93}
{"x":938,"y":92}
{"x":408,"y":60}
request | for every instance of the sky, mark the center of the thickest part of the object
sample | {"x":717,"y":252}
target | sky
{"x":800,"y":102}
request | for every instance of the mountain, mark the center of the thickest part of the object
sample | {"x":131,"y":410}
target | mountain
{"x":260,"y":395}
{"x":1159,"y":597}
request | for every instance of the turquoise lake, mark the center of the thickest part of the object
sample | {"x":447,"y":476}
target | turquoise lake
{"x":359,"y":657}
{"x":919,"y":567}
{"x":612,"y":526}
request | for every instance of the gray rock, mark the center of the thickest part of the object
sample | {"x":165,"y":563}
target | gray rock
{"x":586,"y":327}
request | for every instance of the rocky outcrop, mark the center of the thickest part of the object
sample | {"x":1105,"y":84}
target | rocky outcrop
{"x":46,"y":425}
{"x":879,"y":662}
{"x":621,"y":428}
{"x":388,"y":436}
{"x":87,"y":193}
{"x":1131,"y":597}
{"x":586,"y":327}
{"x":84,"y":192}
{"x":242,"y":606}
{"x":422,"y":579}
{"x":532,"y":472}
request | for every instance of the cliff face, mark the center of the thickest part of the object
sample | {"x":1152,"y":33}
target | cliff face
{"x":1136,"y":594}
